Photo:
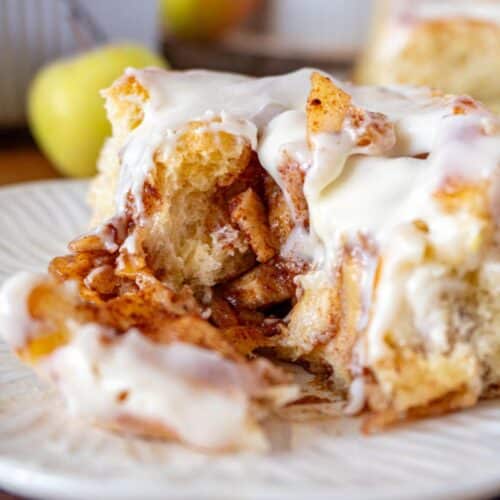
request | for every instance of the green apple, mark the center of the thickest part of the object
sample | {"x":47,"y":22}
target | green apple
{"x":65,"y":111}
{"x":203,"y":19}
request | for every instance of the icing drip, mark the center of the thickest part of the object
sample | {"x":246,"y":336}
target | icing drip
{"x":347,"y":187}
{"x":352,"y":189}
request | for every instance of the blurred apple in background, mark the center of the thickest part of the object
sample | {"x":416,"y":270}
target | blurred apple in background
{"x":203,"y":19}
{"x":65,"y":111}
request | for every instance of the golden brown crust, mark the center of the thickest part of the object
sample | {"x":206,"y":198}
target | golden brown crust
{"x":248,"y":212}
{"x":376,"y":422}
{"x":128,"y":97}
{"x":293,"y":177}
{"x":280,"y":218}
{"x":327,"y":106}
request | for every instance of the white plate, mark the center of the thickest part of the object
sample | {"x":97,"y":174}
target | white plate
{"x":45,"y":455}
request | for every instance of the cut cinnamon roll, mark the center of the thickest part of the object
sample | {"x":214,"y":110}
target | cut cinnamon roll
{"x":243,"y":222}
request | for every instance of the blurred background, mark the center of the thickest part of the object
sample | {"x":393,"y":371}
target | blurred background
{"x":257,"y":37}
{"x":55,"y":55}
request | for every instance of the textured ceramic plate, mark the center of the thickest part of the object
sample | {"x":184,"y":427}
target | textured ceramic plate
{"x":44,"y":454}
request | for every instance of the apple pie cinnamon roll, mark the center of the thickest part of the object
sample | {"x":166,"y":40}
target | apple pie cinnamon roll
{"x":239,"y":223}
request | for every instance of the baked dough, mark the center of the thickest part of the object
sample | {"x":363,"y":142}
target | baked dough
{"x":452,"y":45}
{"x":239,"y":221}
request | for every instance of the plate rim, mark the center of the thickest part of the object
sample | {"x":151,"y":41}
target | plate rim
{"x":16,"y":186}
{"x":31,"y":481}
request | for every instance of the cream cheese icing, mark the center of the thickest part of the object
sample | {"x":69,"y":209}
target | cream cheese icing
{"x":15,"y":317}
{"x":111,"y":378}
{"x":349,"y":190}
{"x":366,"y":191}
{"x":170,"y":385}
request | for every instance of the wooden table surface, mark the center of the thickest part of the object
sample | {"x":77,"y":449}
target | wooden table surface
{"x":6,"y":496}
{"x":21,"y":161}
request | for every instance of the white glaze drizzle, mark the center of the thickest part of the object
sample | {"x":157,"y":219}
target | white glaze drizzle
{"x":346,"y":190}
{"x":110,"y":378}
{"x":15,"y":319}
{"x":368,"y":192}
